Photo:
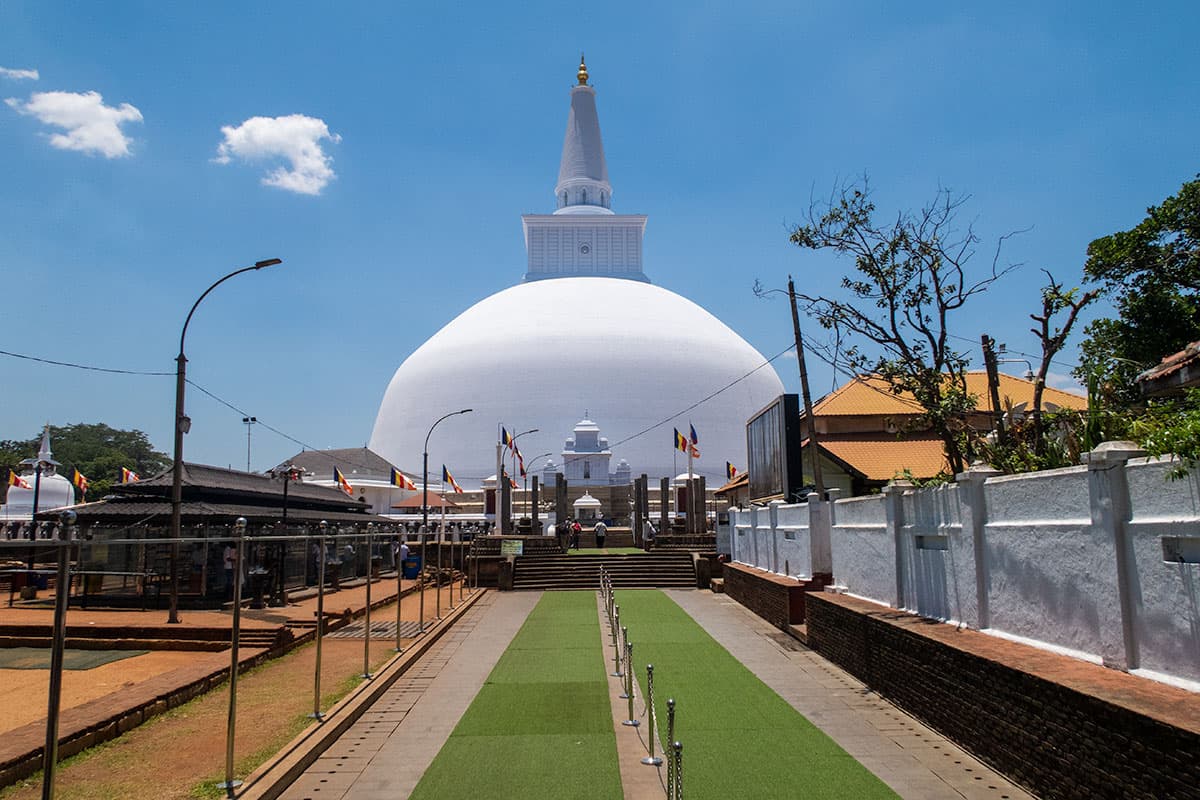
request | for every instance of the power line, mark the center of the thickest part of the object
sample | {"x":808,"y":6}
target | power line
{"x":81,"y":366}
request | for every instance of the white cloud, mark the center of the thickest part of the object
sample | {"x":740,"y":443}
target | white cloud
{"x":294,"y":138}
{"x":19,"y":74}
{"x":91,"y":126}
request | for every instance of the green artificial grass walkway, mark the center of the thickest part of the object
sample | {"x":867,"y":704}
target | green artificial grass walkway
{"x":541,"y":726}
{"x":740,"y":739}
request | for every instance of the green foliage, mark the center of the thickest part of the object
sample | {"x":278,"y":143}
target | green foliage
{"x":1172,"y":428}
{"x":941,"y":479}
{"x":95,"y":449}
{"x":910,"y":278}
{"x":1152,"y":274}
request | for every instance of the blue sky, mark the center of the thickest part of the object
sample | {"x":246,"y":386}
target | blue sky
{"x":437,"y":126}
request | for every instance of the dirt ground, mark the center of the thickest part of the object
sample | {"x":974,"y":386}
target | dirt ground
{"x":182,"y":753}
{"x":18,"y":687}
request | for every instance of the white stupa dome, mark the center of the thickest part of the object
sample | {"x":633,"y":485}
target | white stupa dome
{"x":586,"y":334}
{"x":632,"y":354}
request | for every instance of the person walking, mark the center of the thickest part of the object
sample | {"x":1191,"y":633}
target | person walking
{"x":576,"y":529}
{"x":601,"y":530}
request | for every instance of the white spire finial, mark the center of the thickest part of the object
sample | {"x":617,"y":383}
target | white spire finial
{"x":583,"y":186}
{"x":44,"y":453}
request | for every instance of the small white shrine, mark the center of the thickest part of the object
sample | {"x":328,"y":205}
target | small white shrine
{"x":40,"y":474}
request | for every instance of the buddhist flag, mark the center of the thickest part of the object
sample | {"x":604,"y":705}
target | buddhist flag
{"x":521,"y":463}
{"x":16,"y":480}
{"x":695,"y":436}
{"x":401,"y":481}
{"x":448,"y":478}
{"x":81,"y":483}
{"x":681,"y":442}
{"x":513,"y":483}
{"x":730,"y":471}
{"x":129,"y":476}
{"x":342,"y":483}
{"x":506,"y":439}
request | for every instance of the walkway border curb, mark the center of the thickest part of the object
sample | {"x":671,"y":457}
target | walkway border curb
{"x":278,"y":773}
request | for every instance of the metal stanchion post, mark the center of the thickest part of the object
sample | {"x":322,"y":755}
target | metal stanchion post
{"x":651,"y":719}
{"x":670,"y":740}
{"x":421,"y":578}
{"x":366,"y":673}
{"x":616,"y":640}
{"x":678,"y":771}
{"x":399,"y":596}
{"x":57,"y":646}
{"x":234,"y":640}
{"x":631,"y":721}
{"x":623,"y":649}
{"x":316,"y":714}
{"x":437,"y":580}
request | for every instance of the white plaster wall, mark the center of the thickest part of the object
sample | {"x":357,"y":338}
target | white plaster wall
{"x":1051,"y":577}
{"x":795,"y":554}
{"x":1166,"y":594}
{"x":934,"y":580}
{"x":864,"y":550}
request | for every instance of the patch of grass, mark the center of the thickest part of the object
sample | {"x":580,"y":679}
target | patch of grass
{"x":739,"y":738}
{"x":541,"y":726}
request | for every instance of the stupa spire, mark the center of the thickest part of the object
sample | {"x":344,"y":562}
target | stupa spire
{"x":583,"y":186}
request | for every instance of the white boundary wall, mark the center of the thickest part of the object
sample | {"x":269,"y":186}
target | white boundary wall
{"x":1100,"y":561}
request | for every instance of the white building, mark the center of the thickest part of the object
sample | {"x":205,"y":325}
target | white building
{"x":516,"y":358}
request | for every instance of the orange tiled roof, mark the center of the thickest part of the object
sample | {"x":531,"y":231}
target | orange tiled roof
{"x":870,"y":395}
{"x":881,"y":459}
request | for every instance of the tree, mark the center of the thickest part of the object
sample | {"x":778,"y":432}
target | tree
{"x":910,"y":278}
{"x":96,"y":450}
{"x":1152,"y":274}
{"x":1054,"y":301}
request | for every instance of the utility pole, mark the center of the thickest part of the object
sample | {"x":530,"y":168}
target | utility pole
{"x":818,"y":481}
{"x":993,"y":379}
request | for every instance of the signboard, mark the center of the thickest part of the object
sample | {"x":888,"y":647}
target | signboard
{"x":512,"y":547}
{"x":773,"y":444}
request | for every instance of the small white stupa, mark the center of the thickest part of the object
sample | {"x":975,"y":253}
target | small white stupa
{"x":40,"y":474}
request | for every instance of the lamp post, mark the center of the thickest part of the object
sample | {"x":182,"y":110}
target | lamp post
{"x":514,"y":458}
{"x":425,"y":505}
{"x":182,"y":425}
{"x":529,"y":469}
{"x":289,"y":473}
{"x":248,"y":421}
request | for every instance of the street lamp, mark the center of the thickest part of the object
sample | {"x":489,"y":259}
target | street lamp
{"x":289,"y":473}
{"x":182,"y":425}
{"x":499,"y":489}
{"x":529,"y":469}
{"x":425,"y":506}
{"x":248,"y":421}
{"x":425,"y":472}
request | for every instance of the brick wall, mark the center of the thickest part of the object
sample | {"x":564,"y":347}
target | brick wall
{"x":1061,"y":727}
{"x":776,"y":598}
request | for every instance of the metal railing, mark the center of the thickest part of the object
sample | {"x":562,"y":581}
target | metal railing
{"x":361,"y":552}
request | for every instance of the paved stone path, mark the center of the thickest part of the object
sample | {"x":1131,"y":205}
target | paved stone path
{"x":914,"y":760}
{"x":386,"y":752}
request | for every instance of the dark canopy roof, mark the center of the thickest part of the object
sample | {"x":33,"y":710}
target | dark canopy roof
{"x":216,"y":494}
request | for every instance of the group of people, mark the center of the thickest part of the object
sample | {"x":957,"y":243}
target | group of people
{"x":569,"y":529}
